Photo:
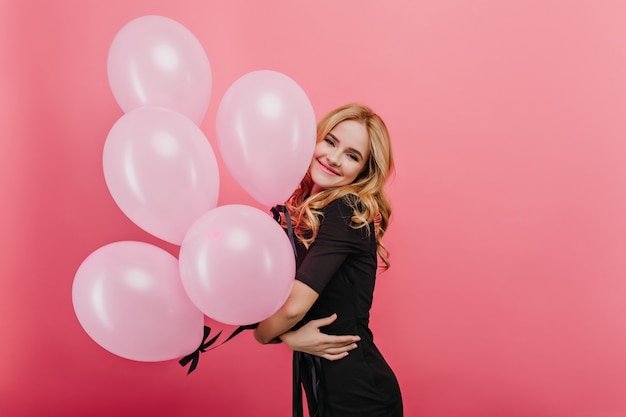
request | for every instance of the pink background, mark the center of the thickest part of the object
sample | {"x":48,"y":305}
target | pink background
{"x":507,"y":292}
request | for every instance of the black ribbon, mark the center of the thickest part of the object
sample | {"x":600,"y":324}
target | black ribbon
{"x":296,"y":388}
{"x":276,"y":210}
{"x":194,"y":356}
{"x":307,"y":374}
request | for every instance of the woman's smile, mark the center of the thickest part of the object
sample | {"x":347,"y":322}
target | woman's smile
{"x":327,"y":169}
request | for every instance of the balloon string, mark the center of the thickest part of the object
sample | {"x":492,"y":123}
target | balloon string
{"x":194,"y":357}
{"x":276,"y":210}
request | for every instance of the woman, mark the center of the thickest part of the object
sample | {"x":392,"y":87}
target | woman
{"x":339,"y":214}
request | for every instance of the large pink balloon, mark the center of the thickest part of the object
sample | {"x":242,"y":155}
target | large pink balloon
{"x":266,"y":134}
{"x":156,"y":61}
{"x":161,"y":171}
{"x":237,"y":264}
{"x":129,"y":298}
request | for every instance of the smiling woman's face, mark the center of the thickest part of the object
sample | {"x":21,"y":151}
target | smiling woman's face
{"x":340,"y":157}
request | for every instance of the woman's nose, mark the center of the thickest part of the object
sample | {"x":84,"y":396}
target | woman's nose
{"x":333,"y":158}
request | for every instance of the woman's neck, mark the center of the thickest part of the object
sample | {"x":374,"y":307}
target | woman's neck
{"x":315,"y":189}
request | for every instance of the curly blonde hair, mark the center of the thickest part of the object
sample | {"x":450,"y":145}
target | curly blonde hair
{"x":366,"y":194}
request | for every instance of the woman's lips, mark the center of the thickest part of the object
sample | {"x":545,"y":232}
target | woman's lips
{"x":327,"y":169}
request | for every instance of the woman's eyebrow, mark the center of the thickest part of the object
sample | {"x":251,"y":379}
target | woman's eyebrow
{"x":350,"y":149}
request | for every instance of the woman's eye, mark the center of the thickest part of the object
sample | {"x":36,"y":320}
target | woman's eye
{"x":329,"y":141}
{"x":353,"y":156}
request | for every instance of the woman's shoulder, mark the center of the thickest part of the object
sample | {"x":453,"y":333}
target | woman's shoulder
{"x":343,"y":208}
{"x":341,"y":219}
{"x":346,"y":203}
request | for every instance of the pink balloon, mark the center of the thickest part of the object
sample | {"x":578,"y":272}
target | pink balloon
{"x":266,"y":134}
{"x":129,"y":299}
{"x":156,"y":61}
{"x":161,"y":171}
{"x":237,"y":264}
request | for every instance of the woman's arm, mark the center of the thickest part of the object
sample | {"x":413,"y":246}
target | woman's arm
{"x":292,"y":311}
{"x":309,"y":339}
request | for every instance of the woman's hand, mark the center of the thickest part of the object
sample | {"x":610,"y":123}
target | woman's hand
{"x":309,"y":339}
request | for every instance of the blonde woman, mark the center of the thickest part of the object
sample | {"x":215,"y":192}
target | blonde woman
{"x":339,"y":214}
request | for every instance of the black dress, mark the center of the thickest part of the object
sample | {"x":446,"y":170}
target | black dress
{"x":340,"y":266}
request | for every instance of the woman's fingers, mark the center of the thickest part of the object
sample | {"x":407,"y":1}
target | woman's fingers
{"x":340,"y":350}
{"x":333,"y":354}
{"x":337,"y":341}
{"x":332,"y":339}
{"x":335,"y":357}
{"x":324,"y":321}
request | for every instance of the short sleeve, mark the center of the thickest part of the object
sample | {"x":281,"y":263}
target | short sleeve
{"x":336,"y":240}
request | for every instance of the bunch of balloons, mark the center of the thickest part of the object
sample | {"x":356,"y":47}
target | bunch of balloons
{"x":235,"y":264}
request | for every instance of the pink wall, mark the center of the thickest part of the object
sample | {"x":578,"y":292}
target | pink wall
{"x":507,"y":292}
